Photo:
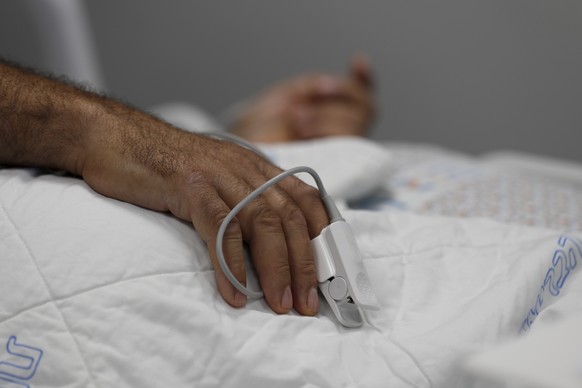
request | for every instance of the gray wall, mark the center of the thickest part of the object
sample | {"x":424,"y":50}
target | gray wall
{"x":470,"y":75}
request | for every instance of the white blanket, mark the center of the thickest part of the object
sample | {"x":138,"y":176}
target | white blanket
{"x":101,"y":293}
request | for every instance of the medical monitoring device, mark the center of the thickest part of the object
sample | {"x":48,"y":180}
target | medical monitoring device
{"x":341,"y":275}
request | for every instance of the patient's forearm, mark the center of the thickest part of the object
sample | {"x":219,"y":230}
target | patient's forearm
{"x":49,"y":123}
{"x":42,"y":122}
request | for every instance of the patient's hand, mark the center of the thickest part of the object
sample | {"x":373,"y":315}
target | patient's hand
{"x":311,"y":106}
{"x":131,"y":156}
{"x":199,"y":180}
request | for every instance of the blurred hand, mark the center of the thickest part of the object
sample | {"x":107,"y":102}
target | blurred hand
{"x":311,"y":106}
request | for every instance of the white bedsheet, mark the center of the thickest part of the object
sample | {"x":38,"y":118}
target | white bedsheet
{"x":100,"y":293}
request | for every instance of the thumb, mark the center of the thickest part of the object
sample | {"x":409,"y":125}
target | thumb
{"x":361,"y":70}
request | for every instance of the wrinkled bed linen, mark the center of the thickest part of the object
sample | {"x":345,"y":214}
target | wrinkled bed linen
{"x":101,"y":293}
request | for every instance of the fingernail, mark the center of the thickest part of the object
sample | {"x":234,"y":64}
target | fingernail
{"x":287,"y":300}
{"x":240,"y":299}
{"x":313,"y":300}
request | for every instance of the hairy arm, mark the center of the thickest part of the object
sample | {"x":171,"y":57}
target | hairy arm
{"x":33,"y":114}
{"x":129,"y":155}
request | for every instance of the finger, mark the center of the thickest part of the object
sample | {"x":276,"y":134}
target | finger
{"x":333,"y":118}
{"x":266,"y":237}
{"x":348,"y":91}
{"x":199,"y":202}
{"x":300,"y":254}
{"x":339,"y":120}
{"x":361,"y":70}
{"x":309,"y":220}
{"x":232,"y":244}
{"x":306,"y":115}
{"x":309,"y":200}
{"x":318,"y":86}
{"x":262,"y":229}
{"x":302,"y":120}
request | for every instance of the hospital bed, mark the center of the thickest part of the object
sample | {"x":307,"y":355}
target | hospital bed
{"x":98,"y":292}
{"x":475,"y":262}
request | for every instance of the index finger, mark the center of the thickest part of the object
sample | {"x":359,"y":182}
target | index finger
{"x":199,"y":201}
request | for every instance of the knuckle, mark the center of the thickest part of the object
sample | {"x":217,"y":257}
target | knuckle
{"x":196,"y":179}
{"x":305,"y":268}
{"x":215,"y":215}
{"x":280,"y":269}
{"x":265,"y":217}
{"x":294,"y":216}
{"x":233,"y":230}
{"x":308,"y":194}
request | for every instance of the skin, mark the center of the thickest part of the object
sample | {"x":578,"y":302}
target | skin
{"x":128,"y":155}
{"x":311,"y":106}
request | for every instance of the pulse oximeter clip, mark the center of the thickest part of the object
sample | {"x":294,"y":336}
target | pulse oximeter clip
{"x":342,"y":277}
{"x":341,"y":274}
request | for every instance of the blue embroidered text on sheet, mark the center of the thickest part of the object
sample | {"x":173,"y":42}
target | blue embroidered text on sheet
{"x":6,"y":383}
{"x":565,"y":259}
{"x":19,"y":363}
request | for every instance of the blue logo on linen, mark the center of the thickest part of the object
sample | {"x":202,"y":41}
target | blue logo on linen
{"x":565,"y":259}
{"x":18,"y":364}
